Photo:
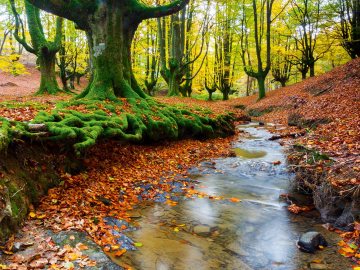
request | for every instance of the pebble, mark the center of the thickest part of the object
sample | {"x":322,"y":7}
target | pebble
{"x":318,"y":266}
{"x":202,"y":230}
{"x":236,"y":248}
{"x":159,"y":214}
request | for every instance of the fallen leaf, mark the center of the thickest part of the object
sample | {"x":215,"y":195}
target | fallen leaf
{"x":120,"y":252}
{"x":234,"y":200}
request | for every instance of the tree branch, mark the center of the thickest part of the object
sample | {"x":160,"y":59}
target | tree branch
{"x":19,"y":25}
{"x":74,"y":10}
{"x":147,"y":12}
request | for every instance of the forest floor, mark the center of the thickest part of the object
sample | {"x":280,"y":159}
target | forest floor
{"x":324,"y":113}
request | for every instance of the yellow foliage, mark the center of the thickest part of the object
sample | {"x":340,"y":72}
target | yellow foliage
{"x":11,"y":64}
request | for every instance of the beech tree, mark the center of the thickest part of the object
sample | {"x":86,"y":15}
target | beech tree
{"x":348,"y":30}
{"x":281,"y":59}
{"x":177,"y":66}
{"x":72,"y":60}
{"x":261,"y":30}
{"x":224,"y":36}
{"x":310,"y":18}
{"x":152,"y":60}
{"x":44,"y":49}
{"x":110,"y":26}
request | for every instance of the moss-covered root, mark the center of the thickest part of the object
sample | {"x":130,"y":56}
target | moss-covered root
{"x":4,"y":133}
{"x":137,"y":120}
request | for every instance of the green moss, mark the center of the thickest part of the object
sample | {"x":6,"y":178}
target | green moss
{"x":4,"y":133}
{"x":16,"y":199}
{"x":16,"y":105}
{"x":313,"y":156}
{"x":14,"y":209}
{"x":137,"y":120}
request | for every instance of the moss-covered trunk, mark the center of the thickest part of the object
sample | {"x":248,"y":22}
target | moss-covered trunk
{"x":111,"y":32}
{"x":48,"y":83}
{"x":261,"y":85}
{"x":174,"y":86}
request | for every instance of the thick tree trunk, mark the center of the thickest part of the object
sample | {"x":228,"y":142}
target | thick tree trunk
{"x":48,"y":83}
{"x":283,"y":83}
{"x":261,"y":85}
{"x":111,"y":35}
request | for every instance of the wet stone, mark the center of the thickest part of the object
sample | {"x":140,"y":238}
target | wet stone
{"x":159,"y":214}
{"x":236,"y":248}
{"x":94,"y":252}
{"x":318,"y":266}
{"x":202,"y":230}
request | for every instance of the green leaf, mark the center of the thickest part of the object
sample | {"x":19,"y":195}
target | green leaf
{"x":353,"y":246}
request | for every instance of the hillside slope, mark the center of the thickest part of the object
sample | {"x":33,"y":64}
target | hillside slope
{"x":325,"y":112}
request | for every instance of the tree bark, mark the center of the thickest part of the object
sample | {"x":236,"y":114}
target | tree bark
{"x":261,"y":85}
{"x":312,"y":69}
{"x":110,"y":48}
{"x":48,"y":83}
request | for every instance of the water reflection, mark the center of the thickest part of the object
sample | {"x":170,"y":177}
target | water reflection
{"x":249,"y":154}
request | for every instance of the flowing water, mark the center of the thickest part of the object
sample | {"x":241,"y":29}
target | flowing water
{"x":256,"y":233}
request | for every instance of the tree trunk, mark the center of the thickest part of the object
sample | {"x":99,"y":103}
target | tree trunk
{"x":63,"y":78}
{"x":261,"y":85}
{"x":303,"y":74}
{"x":48,"y":83}
{"x":111,"y":33}
{"x":283,"y":83}
{"x":312,"y":69}
{"x":226,"y":93}
{"x":174,"y":87}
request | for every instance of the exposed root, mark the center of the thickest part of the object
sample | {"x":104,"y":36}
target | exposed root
{"x":137,"y":120}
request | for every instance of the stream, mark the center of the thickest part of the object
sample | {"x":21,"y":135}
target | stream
{"x":256,"y":233}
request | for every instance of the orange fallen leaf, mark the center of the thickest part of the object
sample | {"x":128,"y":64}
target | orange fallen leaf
{"x":120,"y":252}
{"x":234,"y":200}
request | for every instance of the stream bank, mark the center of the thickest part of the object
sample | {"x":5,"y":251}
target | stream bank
{"x":27,"y":172}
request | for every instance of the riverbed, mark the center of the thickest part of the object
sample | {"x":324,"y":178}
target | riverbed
{"x":256,"y":233}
